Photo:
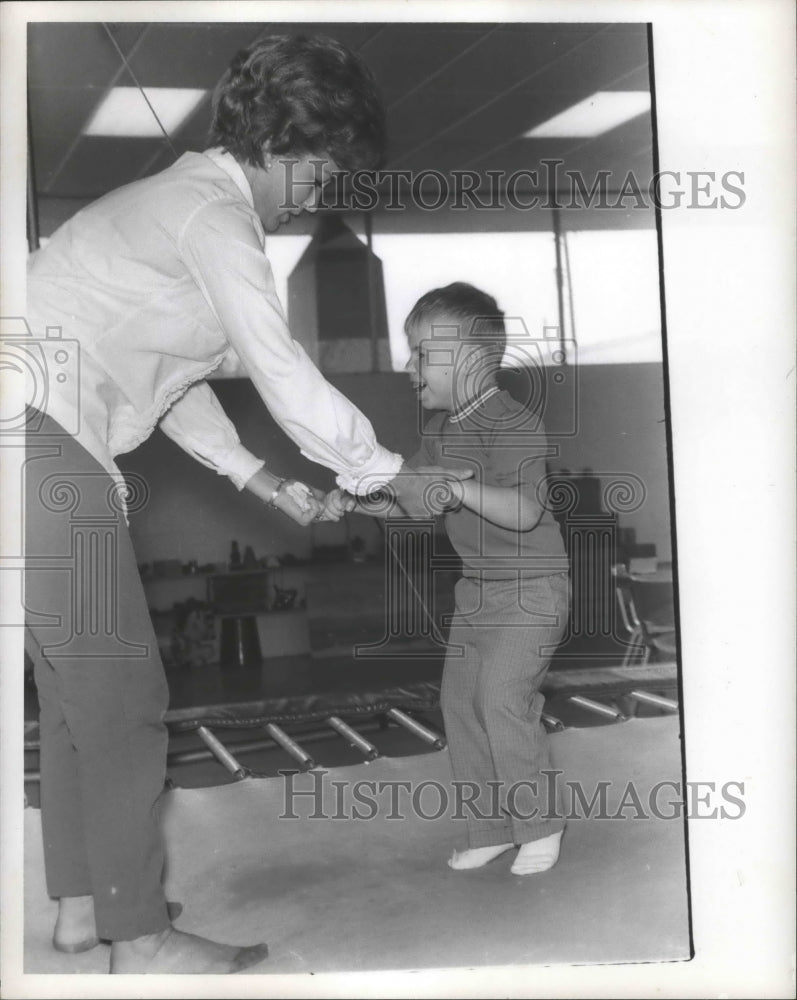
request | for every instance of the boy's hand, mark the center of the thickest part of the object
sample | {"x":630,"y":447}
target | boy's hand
{"x":334,"y":504}
{"x":429,"y":490}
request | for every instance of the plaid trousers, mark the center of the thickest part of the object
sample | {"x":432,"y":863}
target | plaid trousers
{"x":102,"y":693}
{"x":502,"y":637}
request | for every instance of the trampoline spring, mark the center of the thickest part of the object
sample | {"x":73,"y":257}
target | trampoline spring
{"x":597,"y":707}
{"x":552,"y":723}
{"x":221,"y":753}
{"x":658,"y":700}
{"x":290,"y":746}
{"x":368,"y":750}
{"x":427,"y":735}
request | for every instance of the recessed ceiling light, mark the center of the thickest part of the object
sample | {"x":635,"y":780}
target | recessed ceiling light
{"x":604,"y":110}
{"x":124,"y":112}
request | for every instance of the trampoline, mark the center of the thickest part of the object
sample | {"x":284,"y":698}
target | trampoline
{"x":347,"y":894}
{"x":322,"y":698}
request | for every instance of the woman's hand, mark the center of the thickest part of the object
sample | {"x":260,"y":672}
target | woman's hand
{"x":293,"y":498}
{"x":297,"y":500}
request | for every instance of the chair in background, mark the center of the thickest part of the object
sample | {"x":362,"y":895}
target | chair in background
{"x":650,"y":625}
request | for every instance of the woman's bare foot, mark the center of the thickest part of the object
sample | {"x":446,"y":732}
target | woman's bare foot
{"x":174,"y":952}
{"x":75,"y":927}
{"x":75,"y":930}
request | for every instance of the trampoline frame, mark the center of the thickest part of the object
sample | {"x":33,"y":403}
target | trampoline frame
{"x":628,"y":685}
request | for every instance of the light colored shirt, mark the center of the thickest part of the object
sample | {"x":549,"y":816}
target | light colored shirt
{"x":154,"y":287}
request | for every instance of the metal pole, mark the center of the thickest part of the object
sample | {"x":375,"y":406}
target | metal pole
{"x":32,"y":205}
{"x":422,"y":732}
{"x":571,"y":310}
{"x":597,"y":707}
{"x":552,"y":723}
{"x":355,"y":740}
{"x":648,"y":698}
{"x":372,"y":312}
{"x":557,"y":241}
{"x":221,"y":753}
{"x":290,"y":746}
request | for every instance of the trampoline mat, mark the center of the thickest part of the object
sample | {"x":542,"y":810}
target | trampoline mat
{"x":304,"y":689}
{"x":347,"y":895}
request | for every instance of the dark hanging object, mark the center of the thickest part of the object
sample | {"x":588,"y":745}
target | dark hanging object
{"x":336,"y":301}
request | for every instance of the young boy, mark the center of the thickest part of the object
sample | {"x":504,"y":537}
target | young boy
{"x":512,"y":599}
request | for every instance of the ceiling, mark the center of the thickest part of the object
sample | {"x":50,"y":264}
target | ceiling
{"x":458,"y":95}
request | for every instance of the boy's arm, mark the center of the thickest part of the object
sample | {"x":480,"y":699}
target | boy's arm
{"x":507,"y":506}
{"x":418,"y":493}
{"x":409,"y":493}
{"x":381,"y":504}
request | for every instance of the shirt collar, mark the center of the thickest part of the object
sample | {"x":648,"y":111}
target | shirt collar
{"x":474,"y":404}
{"x":231,"y":167}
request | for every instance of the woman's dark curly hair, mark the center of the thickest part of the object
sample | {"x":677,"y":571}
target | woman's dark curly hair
{"x":302,"y":95}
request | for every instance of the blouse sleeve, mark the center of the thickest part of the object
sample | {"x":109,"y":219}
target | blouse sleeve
{"x":199,"y":425}
{"x":223,"y":253}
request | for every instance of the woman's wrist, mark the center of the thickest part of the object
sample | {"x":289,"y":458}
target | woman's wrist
{"x":272,"y":500}
{"x":265,"y":485}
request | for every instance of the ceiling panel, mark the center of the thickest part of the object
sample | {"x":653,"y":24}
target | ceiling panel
{"x":57,"y":115}
{"x":636,"y":79}
{"x":583,"y":71}
{"x":193,"y":131}
{"x":505,"y":58}
{"x":76,"y":55}
{"x":459,"y":96}
{"x":510,"y":115}
{"x":356,"y":36}
{"x":503,"y":114}
{"x":97,"y":158}
{"x":614,"y":152}
{"x":424,"y":116}
{"x":176,"y":55}
{"x":403,"y":57}
{"x":517,"y":155}
{"x":615,"y":147}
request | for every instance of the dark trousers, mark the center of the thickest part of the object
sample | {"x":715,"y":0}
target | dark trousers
{"x":507,"y":631}
{"x":102,"y":690}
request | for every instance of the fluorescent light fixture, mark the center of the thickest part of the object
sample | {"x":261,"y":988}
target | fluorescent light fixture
{"x":124,"y":112}
{"x":604,"y":110}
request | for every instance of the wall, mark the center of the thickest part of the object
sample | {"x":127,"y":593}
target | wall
{"x":621,"y":428}
{"x":194,"y":514}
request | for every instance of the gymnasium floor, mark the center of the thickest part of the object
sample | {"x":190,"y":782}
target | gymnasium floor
{"x":333,"y":895}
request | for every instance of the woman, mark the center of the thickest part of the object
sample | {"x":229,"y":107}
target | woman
{"x":161,"y":283}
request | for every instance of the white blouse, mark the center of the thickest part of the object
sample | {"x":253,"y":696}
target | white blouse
{"x":155,"y":286}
